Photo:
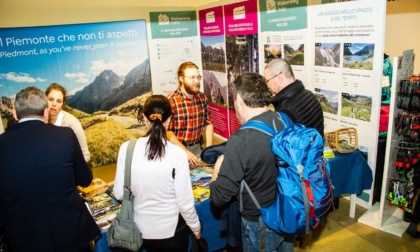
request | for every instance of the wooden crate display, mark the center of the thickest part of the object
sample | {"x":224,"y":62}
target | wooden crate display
{"x":343,"y":140}
{"x":96,"y":187}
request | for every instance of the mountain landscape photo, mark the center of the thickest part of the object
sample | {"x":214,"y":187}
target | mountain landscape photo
{"x":213,"y":56}
{"x":105,"y":82}
{"x":294,"y":54}
{"x":272,"y":51}
{"x":327,"y":54}
{"x":109,"y":90}
{"x":356,"y":106}
{"x":358,"y":56}
{"x":216,"y":92}
{"x":328,"y":100}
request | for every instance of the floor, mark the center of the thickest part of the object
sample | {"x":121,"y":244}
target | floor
{"x":342,"y":233}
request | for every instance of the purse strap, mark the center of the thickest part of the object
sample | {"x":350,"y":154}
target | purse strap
{"x":127,"y":175}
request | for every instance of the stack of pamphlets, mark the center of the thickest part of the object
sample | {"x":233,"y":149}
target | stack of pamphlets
{"x":104,"y":208}
{"x":200,"y":179}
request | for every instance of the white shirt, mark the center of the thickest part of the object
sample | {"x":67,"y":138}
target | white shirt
{"x":59,"y":119}
{"x":66,"y":119}
{"x":158,"y":197}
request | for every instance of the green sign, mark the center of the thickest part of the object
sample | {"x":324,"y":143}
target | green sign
{"x":283,"y":15}
{"x":176,"y":24}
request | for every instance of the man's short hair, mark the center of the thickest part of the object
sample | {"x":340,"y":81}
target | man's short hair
{"x":183,"y":66}
{"x":30,"y":101}
{"x":280,"y":65}
{"x":253,"y":90}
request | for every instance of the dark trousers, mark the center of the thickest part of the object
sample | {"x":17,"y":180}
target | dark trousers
{"x":177,"y":243}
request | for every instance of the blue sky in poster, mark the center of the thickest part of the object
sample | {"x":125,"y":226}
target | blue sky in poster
{"x":355,"y":47}
{"x":72,"y":55}
{"x":214,"y":41}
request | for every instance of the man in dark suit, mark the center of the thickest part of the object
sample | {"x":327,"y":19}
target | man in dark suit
{"x":40,"y":167}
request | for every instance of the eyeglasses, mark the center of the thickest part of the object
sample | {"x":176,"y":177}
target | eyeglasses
{"x":273,"y":77}
{"x":194,"y":78}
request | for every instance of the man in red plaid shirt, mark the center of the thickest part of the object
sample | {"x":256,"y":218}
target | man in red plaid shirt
{"x":190,"y":113}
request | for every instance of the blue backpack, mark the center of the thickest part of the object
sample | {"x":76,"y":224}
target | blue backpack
{"x":303,"y":181}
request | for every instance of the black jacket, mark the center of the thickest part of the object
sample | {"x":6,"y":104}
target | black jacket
{"x":301,"y":105}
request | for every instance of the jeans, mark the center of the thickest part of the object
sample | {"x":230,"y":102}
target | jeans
{"x":273,"y":241}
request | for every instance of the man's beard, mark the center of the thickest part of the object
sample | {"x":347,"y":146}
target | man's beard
{"x":190,"y":91}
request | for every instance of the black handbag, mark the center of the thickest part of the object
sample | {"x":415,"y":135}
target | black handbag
{"x":123,"y":232}
{"x":198,"y":245}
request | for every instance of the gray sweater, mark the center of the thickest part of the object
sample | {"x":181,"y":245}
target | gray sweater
{"x":247,"y":156}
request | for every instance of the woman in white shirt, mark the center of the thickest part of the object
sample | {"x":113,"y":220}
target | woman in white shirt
{"x":56,"y":96}
{"x":160,"y":182}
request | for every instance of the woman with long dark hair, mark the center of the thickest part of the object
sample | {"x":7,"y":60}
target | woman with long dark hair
{"x":160,"y":182}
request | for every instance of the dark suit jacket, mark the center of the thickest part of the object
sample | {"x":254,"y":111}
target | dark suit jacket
{"x":40,"y":208}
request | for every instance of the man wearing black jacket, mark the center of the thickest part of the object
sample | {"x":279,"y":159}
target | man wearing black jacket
{"x":291,"y":97}
{"x":300,"y":104}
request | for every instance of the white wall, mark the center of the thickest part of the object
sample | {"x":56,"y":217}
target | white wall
{"x":402,"y":33}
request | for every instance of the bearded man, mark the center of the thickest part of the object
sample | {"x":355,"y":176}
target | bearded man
{"x":190,"y":113}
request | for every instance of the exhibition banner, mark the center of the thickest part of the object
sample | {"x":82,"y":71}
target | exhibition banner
{"x":104,"y":67}
{"x":278,"y":15}
{"x":337,"y":52}
{"x":241,"y":26}
{"x":211,"y":22}
{"x":176,"y":24}
{"x":346,"y":51}
{"x":213,"y":51}
{"x":285,"y":39}
{"x":174,"y":40}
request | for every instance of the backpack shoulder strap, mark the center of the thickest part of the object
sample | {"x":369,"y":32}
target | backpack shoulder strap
{"x":251,"y":194}
{"x":261,"y":126}
{"x":267,"y":129}
{"x":285,"y":119}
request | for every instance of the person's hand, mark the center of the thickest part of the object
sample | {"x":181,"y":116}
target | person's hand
{"x":216,"y":167}
{"x":193,"y":159}
{"x":198,"y":236}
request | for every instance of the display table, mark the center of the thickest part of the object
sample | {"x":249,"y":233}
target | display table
{"x":350,"y":174}
{"x":210,"y":222}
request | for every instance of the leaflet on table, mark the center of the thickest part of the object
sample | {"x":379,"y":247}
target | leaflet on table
{"x":200,"y":174}
{"x":104,"y":219}
{"x":201,"y":194}
{"x":200,"y":180}
{"x":104,"y":209}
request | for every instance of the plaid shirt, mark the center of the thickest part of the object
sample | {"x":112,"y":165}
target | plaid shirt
{"x":189,"y":117}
